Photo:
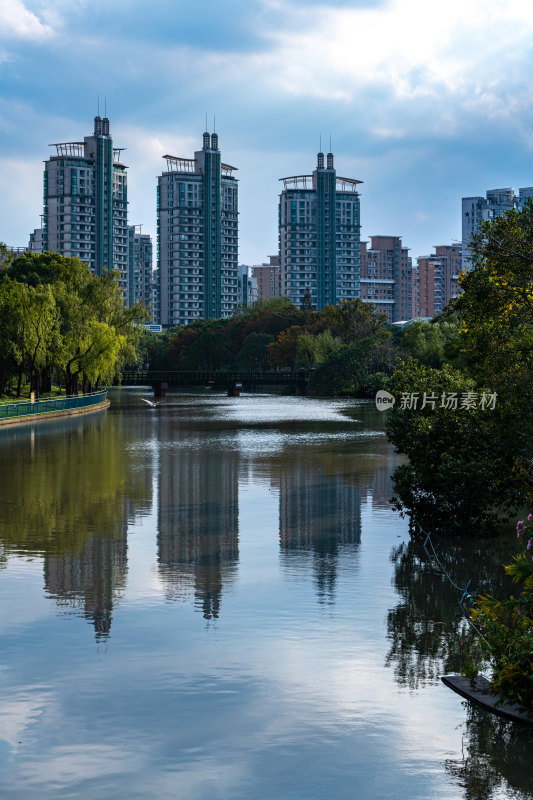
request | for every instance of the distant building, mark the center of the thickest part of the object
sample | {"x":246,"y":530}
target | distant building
{"x":197,"y":230}
{"x":139,"y":267}
{"x":247,"y":285}
{"x":437,"y":280}
{"x":85,"y":202}
{"x":386,"y":277}
{"x":35,"y":245}
{"x":268,"y":279}
{"x":319,"y":236}
{"x":478,"y":209}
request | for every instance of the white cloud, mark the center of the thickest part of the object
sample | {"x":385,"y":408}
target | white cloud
{"x":411,"y":48}
{"x":16,"y":20}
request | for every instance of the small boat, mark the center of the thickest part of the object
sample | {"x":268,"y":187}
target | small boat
{"x":480,"y":693}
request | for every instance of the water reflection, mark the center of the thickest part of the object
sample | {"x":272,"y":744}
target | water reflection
{"x":68,"y":496}
{"x":320,"y":522}
{"x":198,"y":520}
{"x":426,"y":629}
{"x":496,"y":758}
{"x":90,"y":579}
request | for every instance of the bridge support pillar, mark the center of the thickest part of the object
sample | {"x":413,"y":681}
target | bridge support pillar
{"x":234,"y":389}
{"x":301,"y":385}
{"x":160,"y":389}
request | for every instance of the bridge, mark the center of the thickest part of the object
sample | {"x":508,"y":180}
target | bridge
{"x":231,"y":381}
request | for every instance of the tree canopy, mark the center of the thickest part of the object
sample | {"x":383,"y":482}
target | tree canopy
{"x":58,"y":319}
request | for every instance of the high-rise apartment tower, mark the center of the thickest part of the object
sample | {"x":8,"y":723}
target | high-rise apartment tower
{"x":140,"y":288}
{"x":85,"y":202}
{"x":475,"y":210}
{"x":319,"y":236}
{"x":197,"y":234}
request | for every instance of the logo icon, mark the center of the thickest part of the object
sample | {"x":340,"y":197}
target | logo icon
{"x":384,"y":400}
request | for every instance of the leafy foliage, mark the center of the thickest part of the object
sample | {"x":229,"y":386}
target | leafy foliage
{"x":470,"y":470}
{"x":507,"y":627}
{"x":59,"y":318}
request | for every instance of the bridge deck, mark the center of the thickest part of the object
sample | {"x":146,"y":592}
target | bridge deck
{"x":216,"y":378}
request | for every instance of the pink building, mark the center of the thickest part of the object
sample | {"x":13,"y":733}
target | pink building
{"x":386,"y":277}
{"x":268,"y":279}
{"x":437,"y":280}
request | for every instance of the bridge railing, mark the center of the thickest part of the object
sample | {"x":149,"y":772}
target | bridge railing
{"x":199,"y":377}
{"x":26,"y":408}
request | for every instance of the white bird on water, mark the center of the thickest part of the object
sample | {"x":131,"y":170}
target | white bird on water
{"x":151,"y":402}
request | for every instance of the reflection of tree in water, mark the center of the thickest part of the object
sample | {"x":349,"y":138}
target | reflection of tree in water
{"x":496,"y":760}
{"x":320,"y":515}
{"x":67,"y":496}
{"x":426,"y":629}
{"x":198,"y":522}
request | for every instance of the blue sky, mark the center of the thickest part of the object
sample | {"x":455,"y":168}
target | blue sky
{"x":425,"y":102}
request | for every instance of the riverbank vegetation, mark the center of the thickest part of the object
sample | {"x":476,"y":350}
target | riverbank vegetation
{"x":350,"y":348}
{"x":467,"y":428}
{"x":61,"y":324}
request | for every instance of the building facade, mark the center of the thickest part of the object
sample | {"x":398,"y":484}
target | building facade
{"x":475,"y":210}
{"x":140,"y":281}
{"x":247,"y":285}
{"x":386,"y":277}
{"x":437,"y":280}
{"x":319,"y":236}
{"x":197,"y":235}
{"x":86,"y":201}
{"x":268,"y":279}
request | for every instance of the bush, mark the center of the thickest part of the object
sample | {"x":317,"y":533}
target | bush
{"x":507,"y":627}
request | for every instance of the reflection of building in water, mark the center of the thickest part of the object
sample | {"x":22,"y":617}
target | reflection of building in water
{"x":378,"y":486}
{"x":90,"y":579}
{"x":320,"y":515}
{"x":198,"y":523}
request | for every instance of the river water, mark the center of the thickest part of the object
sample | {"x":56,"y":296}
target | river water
{"x":213,"y":599}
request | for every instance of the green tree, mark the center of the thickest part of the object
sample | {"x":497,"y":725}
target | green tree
{"x":471,"y":469}
{"x":432,"y":343}
{"x":97,"y":333}
{"x":254,"y":353}
{"x":460,"y":478}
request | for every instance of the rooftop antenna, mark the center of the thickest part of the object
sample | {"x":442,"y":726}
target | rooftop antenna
{"x":330,"y":143}
{"x":105,"y":106}
{"x":98,"y":105}
{"x":320,"y":145}
{"x":214,"y":124}
{"x":206,"y":120}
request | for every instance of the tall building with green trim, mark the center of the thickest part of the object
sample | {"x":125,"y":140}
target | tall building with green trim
{"x":319,"y":235}
{"x":86,"y":202}
{"x":197,"y":237}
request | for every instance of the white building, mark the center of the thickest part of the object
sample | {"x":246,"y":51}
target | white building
{"x":478,"y":209}
{"x":140,"y":288}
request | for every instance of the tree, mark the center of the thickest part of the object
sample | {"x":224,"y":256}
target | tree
{"x":307,"y":301}
{"x":282,"y":352}
{"x":432,"y":343}
{"x":470,"y":469}
{"x":254,"y":353}
{"x":94,"y":332}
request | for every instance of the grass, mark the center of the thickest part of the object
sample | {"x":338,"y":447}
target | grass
{"x":57,"y":391}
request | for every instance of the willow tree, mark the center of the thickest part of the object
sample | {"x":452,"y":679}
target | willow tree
{"x":96,"y":332}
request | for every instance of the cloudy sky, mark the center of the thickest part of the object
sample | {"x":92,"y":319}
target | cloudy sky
{"x":425,"y":101}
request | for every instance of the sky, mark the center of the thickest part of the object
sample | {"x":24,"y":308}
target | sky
{"x":425,"y":102}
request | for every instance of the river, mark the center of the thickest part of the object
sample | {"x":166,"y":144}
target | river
{"x":213,"y":599}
